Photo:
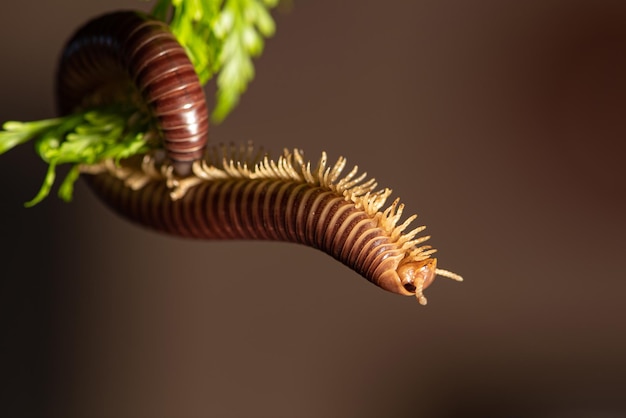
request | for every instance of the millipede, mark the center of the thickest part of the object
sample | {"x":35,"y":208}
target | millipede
{"x":228,"y":191}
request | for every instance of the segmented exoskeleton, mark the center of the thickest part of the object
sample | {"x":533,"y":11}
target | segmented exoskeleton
{"x":228,"y":192}
{"x":129,"y":56}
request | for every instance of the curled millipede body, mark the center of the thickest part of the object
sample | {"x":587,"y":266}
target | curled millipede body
{"x":127,"y":56}
{"x":229,"y":192}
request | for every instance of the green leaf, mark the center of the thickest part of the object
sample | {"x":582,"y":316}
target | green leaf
{"x":264,"y":21}
{"x":16,"y":133}
{"x":45,"y":187}
{"x":82,"y":138}
{"x":161,"y":9}
{"x":66,"y":190}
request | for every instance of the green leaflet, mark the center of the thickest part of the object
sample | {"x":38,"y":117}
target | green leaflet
{"x":81,"y":138}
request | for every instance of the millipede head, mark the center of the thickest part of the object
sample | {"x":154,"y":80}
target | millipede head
{"x":416,"y":276}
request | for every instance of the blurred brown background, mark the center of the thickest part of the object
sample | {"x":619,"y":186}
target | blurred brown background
{"x":500,"y":123}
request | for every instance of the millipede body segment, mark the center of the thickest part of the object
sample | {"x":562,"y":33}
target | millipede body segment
{"x":228,"y":192}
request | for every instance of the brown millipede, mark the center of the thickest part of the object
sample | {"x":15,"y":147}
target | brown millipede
{"x":228,"y":192}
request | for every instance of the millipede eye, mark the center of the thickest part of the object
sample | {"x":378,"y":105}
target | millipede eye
{"x":410,"y":287}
